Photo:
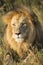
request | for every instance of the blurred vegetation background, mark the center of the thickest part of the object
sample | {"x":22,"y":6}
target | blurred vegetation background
{"x":8,"y":5}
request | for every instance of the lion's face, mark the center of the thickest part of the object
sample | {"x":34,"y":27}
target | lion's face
{"x":20,"y":28}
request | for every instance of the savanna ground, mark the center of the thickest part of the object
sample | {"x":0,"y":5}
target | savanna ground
{"x":8,"y":5}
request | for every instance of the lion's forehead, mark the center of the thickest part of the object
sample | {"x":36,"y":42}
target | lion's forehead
{"x":18,"y":19}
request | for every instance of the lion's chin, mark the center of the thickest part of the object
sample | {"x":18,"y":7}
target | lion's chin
{"x":18,"y":39}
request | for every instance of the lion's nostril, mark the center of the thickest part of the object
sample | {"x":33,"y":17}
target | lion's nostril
{"x":17,"y":33}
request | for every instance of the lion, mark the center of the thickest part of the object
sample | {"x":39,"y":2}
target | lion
{"x":22,"y":30}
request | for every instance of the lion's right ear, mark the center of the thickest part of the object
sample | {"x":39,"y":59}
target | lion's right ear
{"x":7,"y":17}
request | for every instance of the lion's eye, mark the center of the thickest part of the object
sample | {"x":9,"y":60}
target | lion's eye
{"x":24,"y":25}
{"x":13,"y":24}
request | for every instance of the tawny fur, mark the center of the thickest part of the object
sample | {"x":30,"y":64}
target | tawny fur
{"x":20,"y":48}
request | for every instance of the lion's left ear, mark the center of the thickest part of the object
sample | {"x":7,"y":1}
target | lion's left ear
{"x":7,"y":17}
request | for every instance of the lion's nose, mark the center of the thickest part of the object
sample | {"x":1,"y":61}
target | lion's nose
{"x":18,"y":33}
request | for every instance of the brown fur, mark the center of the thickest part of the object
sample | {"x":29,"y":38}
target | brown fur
{"x":21,"y":47}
